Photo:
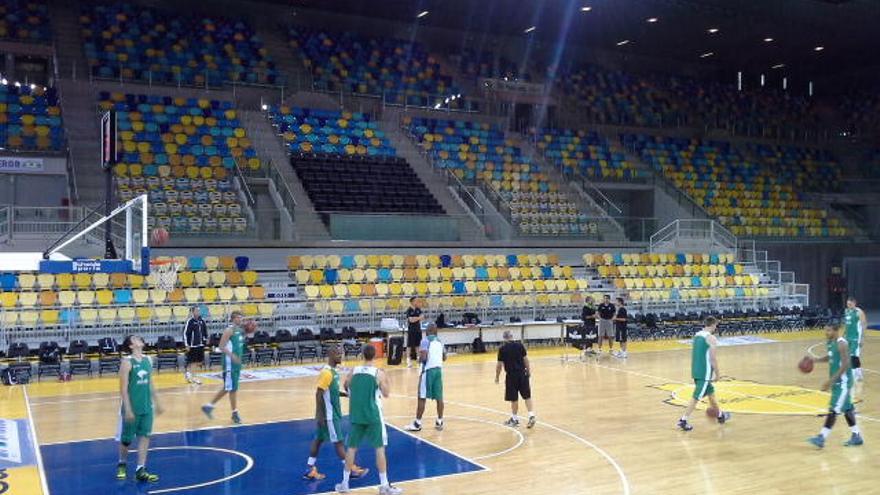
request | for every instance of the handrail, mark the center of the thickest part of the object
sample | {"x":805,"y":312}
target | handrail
{"x":466,"y":195}
{"x":495,"y":198}
{"x":249,"y":197}
{"x":71,"y":177}
{"x":281,"y":185}
{"x":695,"y":229}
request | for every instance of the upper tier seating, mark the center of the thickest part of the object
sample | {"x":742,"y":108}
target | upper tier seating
{"x":141,"y":43}
{"x":25,"y":20}
{"x":218,"y":285}
{"x":475,"y":64}
{"x":481,"y":152}
{"x":182,"y":152}
{"x":401,"y":71}
{"x":614,"y":97}
{"x":30,"y":119}
{"x":760,"y":195}
{"x":588,"y":154}
{"x":327,"y":131}
{"x":361,"y":184}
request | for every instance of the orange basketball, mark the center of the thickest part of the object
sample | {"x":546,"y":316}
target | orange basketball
{"x":806,"y":364}
{"x":250,"y":327}
{"x":159,"y":236}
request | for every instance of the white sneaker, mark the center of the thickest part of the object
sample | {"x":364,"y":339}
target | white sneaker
{"x":414,"y":427}
{"x":438,"y":425}
{"x":623,"y":354}
{"x":390,"y":490}
{"x":343,"y":488}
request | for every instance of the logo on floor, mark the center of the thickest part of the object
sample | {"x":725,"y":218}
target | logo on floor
{"x":739,"y":340}
{"x":740,"y":396}
{"x":263,"y":374}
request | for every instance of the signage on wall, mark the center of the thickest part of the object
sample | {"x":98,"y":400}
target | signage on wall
{"x":21,"y":165}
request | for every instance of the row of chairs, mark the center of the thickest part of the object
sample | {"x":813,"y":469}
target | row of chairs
{"x":87,"y":281}
{"x":127,"y":314}
{"x":364,"y":261}
{"x":88,"y":298}
{"x":591,"y":259}
{"x":333,"y":276}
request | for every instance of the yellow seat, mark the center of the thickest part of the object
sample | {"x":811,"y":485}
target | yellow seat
{"x":249,"y":277}
{"x":126,"y":314}
{"x":326,"y":291}
{"x":358,"y":275}
{"x":144,"y":313}
{"x":9,"y":299}
{"x":107,"y":315}
{"x":64,"y":281}
{"x":241,"y":293}
{"x":46,"y":281}
{"x":212,"y":262}
{"x":192,"y":294}
{"x":135,"y":281}
{"x":219,"y":278}
{"x":27,"y":299}
{"x":312,"y":291}
{"x":355,"y":290}
{"x":209,"y":294}
{"x":26,"y":281}
{"x":266,"y":310}
{"x":250,"y":309}
{"x":180,"y":312}
{"x":344,"y":275}
{"x":307,"y":261}
{"x":82,"y":280}
{"x":163,"y":313}
{"x":9,"y":318}
{"x":203,"y":278}
{"x":49,"y":316}
{"x":340,"y":290}
{"x":185,"y":279}
{"x":100,"y":280}
{"x":28,"y":318}
{"x":319,"y":261}
{"x":104,"y":297}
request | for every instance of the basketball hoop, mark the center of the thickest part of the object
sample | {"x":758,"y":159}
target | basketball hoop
{"x":165,"y":271}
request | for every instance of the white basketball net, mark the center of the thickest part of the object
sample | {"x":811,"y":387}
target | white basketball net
{"x":165,"y":275}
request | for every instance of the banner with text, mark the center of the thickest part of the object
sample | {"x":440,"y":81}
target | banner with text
{"x":21,"y":165}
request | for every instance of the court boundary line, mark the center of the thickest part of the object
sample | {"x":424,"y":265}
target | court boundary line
{"x":32,"y":426}
{"x":521,"y":437}
{"x":438,"y":447}
{"x":249,"y":464}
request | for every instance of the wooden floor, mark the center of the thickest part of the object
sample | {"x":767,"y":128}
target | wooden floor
{"x":606,"y":426}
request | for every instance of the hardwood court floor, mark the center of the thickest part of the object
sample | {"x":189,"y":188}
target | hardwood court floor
{"x":606,"y":426}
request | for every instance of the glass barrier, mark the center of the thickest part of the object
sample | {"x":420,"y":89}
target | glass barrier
{"x":401,"y":227}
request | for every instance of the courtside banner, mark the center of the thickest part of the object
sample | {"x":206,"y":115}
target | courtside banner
{"x":86,"y":266}
{"x":21,"y":165}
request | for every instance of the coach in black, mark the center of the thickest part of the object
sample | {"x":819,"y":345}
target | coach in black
{"x":512,"y":357}
{"x":413,"y":330}
{"x":195,"y":336}
{"x":606,"y":312}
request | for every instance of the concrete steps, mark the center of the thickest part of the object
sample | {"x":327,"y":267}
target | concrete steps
{"x":307,"y":223}
{"x":71,"y":60}
{"x":81,"y":123}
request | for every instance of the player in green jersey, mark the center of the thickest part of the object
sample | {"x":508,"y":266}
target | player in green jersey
{"x":856,"y":322}
{"x":840,"y":382}
{"x":328,"y":416}
{"x":704,"y":370}
{"x":366,"y":386}
{"x":432,"y":354}
{"x":139,"y":403}
{"x":232,"y":345}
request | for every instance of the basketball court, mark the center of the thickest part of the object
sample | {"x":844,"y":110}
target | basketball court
{"x":606,"y":426}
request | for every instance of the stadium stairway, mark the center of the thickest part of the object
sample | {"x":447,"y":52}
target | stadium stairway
{"x":78,"y":105}
{"x":286,"y":62}
{"x":70,"y":58}
{"x":609,"y":229}
{"x":471,"y":230}
{"x":307,"y":224}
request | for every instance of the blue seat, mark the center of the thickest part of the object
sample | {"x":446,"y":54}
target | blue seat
{"x":384,"y":275}
{"x":695,"y":281}
{"x":740,"y":292}
{"x":242,"y":262}
{"x":482,"y":273}
{"x":496,"y":301}
{"x":618,"y":259}
{"x":122,"y":296}
{"x":331,"y":276}
{"x":196,"y":263}
{"x":458,"y":287}
{"x":731,"y":270}
{"x":8,"y":281}
{"x":351,"y":306}
{"x":680,"y":258}
{"x":713,"y":258}
{"x":348,"y":262}
{"x":546,"y":272}
{"x":512,"y":260}
{"x":68,"y":316}
{"x":445,"y":260}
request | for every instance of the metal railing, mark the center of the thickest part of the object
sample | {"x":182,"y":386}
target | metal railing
{"x":691,"y":230}
{"x":213,"y":80}
{"x":464,"y":193}
{"x":245,"y":188}
{"x":5,"y":223}
{"x":441,"y":103}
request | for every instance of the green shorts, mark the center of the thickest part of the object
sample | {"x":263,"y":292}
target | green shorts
{"x":431,"y":384}
{"x":374,"y":434}
{"x":702,"y":388}
{"x":330,"y":431}
{"x":854,"y":348}
{"x":841,"y":398}
{"x":142,"y":426}
{"x":230,"y":379}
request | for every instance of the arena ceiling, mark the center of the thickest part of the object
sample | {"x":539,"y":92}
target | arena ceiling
{"x":752,"y":35}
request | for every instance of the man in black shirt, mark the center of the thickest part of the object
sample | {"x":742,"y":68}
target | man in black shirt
{"x":512,"y":357}
{"x":620,"y":320}
{"x":588,"y":314}
{"x":195,"y":336}
{"x":606,"y":312}
{"x":414,"y":330}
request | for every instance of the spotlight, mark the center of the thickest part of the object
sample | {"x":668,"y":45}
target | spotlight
{"x":422,"y":14}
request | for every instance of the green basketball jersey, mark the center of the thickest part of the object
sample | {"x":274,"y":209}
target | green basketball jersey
{"x":139,"y":377}
{"x":701,"y":365}
{"x":328,"y":382}
{"x":236,"y":344}
{"x":364,"y":406}
{"x":834,"y":361}
{"x":853,"y":326}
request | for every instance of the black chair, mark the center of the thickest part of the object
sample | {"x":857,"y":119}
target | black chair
{"x":214,"y":355}
{"x":49,"y":355}
{"x":79,"y":364}
{"x":109,"y":358}
{"x":21,"y":369}
{"x":328,"y":339}
{"x":306,"y":344}
{"x":350,"y":344}
{"x":263,"y":352}
{"x":166,"y":353}
{"x":286,"y":346}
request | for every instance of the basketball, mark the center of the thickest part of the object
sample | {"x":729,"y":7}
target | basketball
{"x":806,"y":364}
{"x":712,"y":412}
{"x":159,"y":236}
{"x":250,"y":327}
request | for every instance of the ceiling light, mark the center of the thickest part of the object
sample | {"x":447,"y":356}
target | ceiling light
{"x":652,"y":20}
{"x":707,"y":54}
{"x":33,"y":86}
{"x":586,"y":8}
{"x":529,"y":30}
{"x":778,"y":66}
{"x":712,"y":30}
{"x":768,"y":40}
{"x":264,"y":107}
{"x":818,"y":48}
{"x":422,"y":14}
{"x":623,"y":42}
